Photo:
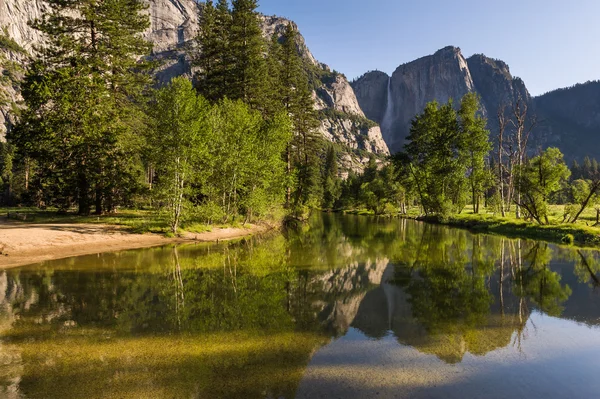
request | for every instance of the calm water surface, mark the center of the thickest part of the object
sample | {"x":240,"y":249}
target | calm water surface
{"x":346,"y":307}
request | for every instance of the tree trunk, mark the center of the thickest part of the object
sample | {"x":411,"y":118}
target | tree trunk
{"x":98,"y":200}
{"x":84,"y":199}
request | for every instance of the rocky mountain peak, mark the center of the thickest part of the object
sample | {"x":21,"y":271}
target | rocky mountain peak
{"x":371,"y":92}
{"x":444,"y":75}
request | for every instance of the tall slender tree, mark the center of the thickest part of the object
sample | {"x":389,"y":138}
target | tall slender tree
{"x":247,"y":46}
{"x":214,"y":58}
{"x":475,"y":146}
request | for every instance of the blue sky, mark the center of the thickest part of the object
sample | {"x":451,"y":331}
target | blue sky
{"x":548,"y":43}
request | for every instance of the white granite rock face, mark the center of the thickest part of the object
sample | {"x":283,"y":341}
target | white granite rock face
{"x":14,"y":17}
{"x":173,"y":23}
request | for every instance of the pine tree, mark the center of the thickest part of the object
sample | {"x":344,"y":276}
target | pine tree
{"x":576,"y":171}
{"x":331,"y":180}
{"x":247,"y":45}
{"x":80,"y":124}
{"x":274,"y":97}
{"x":304,"y":152}
{"x":214,"y":57}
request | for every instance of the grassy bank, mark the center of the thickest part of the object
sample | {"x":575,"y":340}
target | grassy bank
{"x":133,"y":220}
{"x":560,"y":233}
{"x":582,"y":233}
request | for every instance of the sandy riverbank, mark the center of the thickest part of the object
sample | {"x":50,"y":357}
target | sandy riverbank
{"x":22,"y":244}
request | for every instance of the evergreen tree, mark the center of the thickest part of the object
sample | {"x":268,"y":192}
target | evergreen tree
{"x":214,"y":58}
{"x":331,"y":180}
{"x":303,"y":154}
{"x":80,"y":125}
{"x":576,"y":171}
{"x":247,"y":46}
{"x":587,"y":168}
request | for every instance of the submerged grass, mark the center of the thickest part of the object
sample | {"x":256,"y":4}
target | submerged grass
{"x":95,"y":363}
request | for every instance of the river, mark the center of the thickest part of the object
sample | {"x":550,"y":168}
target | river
{"x":345,"y":307}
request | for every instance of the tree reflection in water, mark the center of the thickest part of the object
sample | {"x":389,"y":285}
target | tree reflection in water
{"x":243,"y":319}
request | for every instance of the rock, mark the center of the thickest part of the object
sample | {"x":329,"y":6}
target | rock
{"x":496,"y":86}
{"x":173,"y":23}
{"x":347,"y":124}
{"x":569,"y":118}
{"x":276,"y":25}
{"x":339,"y":95}
{"x":394,"y":102}
{"x":371,"y":93}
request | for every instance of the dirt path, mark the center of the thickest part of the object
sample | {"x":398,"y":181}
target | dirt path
{"x":22,"y":244}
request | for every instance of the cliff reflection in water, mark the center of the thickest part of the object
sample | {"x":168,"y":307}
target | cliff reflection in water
{"x":244,"y":319}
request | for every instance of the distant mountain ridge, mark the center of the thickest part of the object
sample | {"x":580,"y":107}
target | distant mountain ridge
{"x":570,"y":119}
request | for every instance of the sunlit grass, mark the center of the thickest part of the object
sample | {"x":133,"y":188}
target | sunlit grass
{"x":134,"y":220}
{"x":583,"y":232}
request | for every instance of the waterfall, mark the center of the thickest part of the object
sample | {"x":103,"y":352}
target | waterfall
{"x":387,"y":122}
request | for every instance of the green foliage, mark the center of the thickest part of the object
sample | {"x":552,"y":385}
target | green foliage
{"x":331,"y":180}
{"x":433,"y":160}
{"x":82,"y":126}
{"x":247,"y":177}
{"x":376,"y":190}
{"x":475,"y":147}
{"x":540,"y":179}
{"x":7,"y":43}
{"x":568,"y":239}
{"x":179,"y":147}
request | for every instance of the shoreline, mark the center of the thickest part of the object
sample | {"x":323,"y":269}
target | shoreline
{"x":558,"y":234}
{"x":26,"y":244}
{"x":566,"y":234}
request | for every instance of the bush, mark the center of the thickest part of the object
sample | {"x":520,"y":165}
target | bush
{"x":568,"y":239}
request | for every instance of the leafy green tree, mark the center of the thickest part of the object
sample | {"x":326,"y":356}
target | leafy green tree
{"x":540,"y":284}
{"x":179,"y":145}
{"x":432,"y":158}
{"x":539,"y":179}
{"x":247,"y":176}
{"x":476,"y":146}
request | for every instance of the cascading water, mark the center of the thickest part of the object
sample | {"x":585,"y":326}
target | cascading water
{"x":387,"y":122}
